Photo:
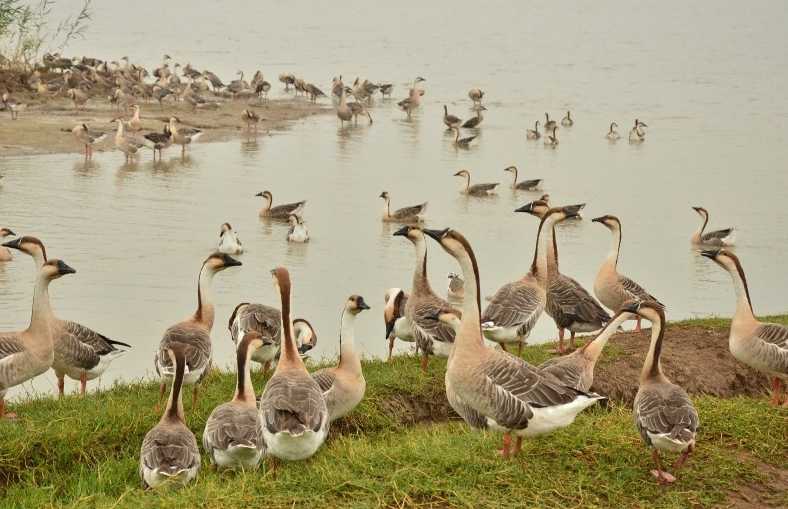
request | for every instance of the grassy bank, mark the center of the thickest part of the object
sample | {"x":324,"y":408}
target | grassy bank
{"x":402,"y":447}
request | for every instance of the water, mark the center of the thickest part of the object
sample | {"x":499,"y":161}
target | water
{"x":708,"y":82}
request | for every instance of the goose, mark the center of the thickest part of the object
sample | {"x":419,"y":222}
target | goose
{"x":129,"y":146}
{"x":612,"y":134}
{"x":262,"y":89}
{"x":88,"y":138}
{"x":451,"y":121}
{"x":214,"y":80}
{"x":762,"y":346}
{"x":551,"y":140}
{"x":5,"y":254}
{"x":169,"y":450}
{"x":280,"y":211}
{"x":577,"y":368}
{"x":525,"y":185}
{"x":344,"y":113}
{"x":664,"y":415}
{"x":183,"y":135}
{"x":29,"y":353}
{"x":337,"y":86}
{"x":567,"y":120}
{"x":568,"y":303}
{"x":343,"y":386}
{"x":413,"y":214}
{"x":533,"y":134}
{"x":549,"y":125}
{"x":413,"y":100}
{"x":432,"y":337}
{"x":398,"y":326}
{"x":78,"y":97}
{"x":305,"y":336}
{"x":462,"y":142}
{"x":385,"y":89}
{"x":456,"y":291}
{"x":262,"y":320}
{"x":79,"y":352}
{"x":297,"y":231}
{"x":476,"y":95}
{"x":300,"y":86}
{"x":159,"y":141}
{"x":637,"y":134}
{"x":725,"y":237}
{"x":134,"y":124}
{"x":356,"y":109}
{"x":194,"y":333}
{"x":294,"y":412}
{"x":313,"y":92}
{"x":200,"y":103}
{"x":491,"y":389}
{"x":251,"y":118}
{"x":160,"y":93}
{"x":12,"y":105}
{"x":611,"y":288}
{"x":474,"y":122}
{"x":237,"y":86}
{"x":476,"y":189}
{"x":233,"y":435}
{"x":229,"y":243}
{"x":288,"y":79}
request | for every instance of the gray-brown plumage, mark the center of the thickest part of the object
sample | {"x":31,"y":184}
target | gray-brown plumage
{"x":451,"y":121}
{"x":405,"y":214}
{"x":280,"y":211}
{"x":725,"y":237}
{"x":474,"y":122}
{"x":523,"y":185}
{"x":266,"y":321}
{"x":462,"y":142}
{"x":476,"y":189}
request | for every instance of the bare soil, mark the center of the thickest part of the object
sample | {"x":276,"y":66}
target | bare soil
{"x":772,"y":491}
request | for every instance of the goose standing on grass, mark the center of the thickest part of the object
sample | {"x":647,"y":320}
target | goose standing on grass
{"x":476,"y":189}
{"x":281,"y":212}
{"x":423,"y":305}
{"x":5,"y":254}
{"x":411,"y":214}
{"x":129,"y":146}
{"x":251,"y":119}
{"x":612,"y":134}
{"x":549,"y":125}
{"x":533,"y":134}
{"x":194,"y":333}
{"x":183,"y":135}
{"x":611,"y":288}
{"x":551,"y":140}
{"x":398,"y":325}
{"x":294,"y":412}
{"x":725,"y":237}
{"x":12,"y":105}
{"x":462,"y":142}
{"x":637,"y":134}
{"x":456,"y":291}
{"x":297,"y":232}
{"x":476,"y":121}
{"x":80,"y":353}
{"x":663,"y":412}
{"x":451,"y":121}
{"x":88,"y":138}
{"x":525,"y":185}
{"x":169,"y":450}
{"x":233,"y":436}
{"x":260,"y":319}
{"x":476,"y":95}
{"x":159,"y":141}
{"x":567,"y":120}
{"x":229,"y":243}
{"x":29,"y":353}
{"x":491,"y":389}
{"x":762,"y":346}
{"x":344,"y":386}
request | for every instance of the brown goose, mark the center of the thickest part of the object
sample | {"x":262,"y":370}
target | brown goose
{"x":294,"y":412}
{"x":762,"y":346}
{"x":533,"y":134}
{"x":476,"y":95}
{"x":432,"y":337}
{"x":451,"y":121}
{"x":159,"y":141}
{"x":549,"y":125}
{"x":183,"y":135}
{"x":280,"y":211}
{"x":611,"y":288}
{"x":476,"y":189}
{"x":491,"y":389}
{"x":551,"y":140}
{"x":411,"y":214}
{"x":194,"y":333}
{"x":462,"y":142}
{"x":663,"y":412}
{"x":79,"y":352}
{"x":456,"y":291}
{"x":343,"y":386}
{"x":725,"y":237}
{"x":476,"y":121}
{"x":524,"y":185}
{"x":567,"y":120}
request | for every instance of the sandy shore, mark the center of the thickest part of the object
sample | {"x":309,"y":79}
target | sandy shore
{"x":40,"y":128}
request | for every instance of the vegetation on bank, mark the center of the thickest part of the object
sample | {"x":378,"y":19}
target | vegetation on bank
{"x":402,"y":447}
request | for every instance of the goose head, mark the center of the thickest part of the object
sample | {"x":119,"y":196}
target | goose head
{"x":725,"y":259}
{"x":31,"y":246}
{"x":5,"y":232}
{"x":266,"y":195}
{"x":226,"y":227}
{"x":537,"y":208}
{"x":412,"y":233}
{"x":218,"y":262}
{"x":611,"y":222}
{"x":306,"y":337}
{"x":384,"y":195}
{"x":394,"y":309}
{"x":419,"y":79}
{"x":55,"y":269}
{"x":511,"y":169}
{"x":463,"y":173}
{"x":355,"y":304}
{"x":294,"y":220}
{"x":613,"y":126}
{"x":701,"y":212}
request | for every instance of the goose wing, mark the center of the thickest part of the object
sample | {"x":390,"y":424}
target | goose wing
{"x":101,"y":344}
{"x":635,"y":290}
{"x":170,"y":449}
{"x":425,"y":327}
{"x":566,"y":370}
{"x":293,"y":402}
{"x":452,"y":119}
{"x":471,"y":122}
{"x":528,"y":184}
{"x":518,"y":304}
{"x":325,"y":379}
{"x":257,"y":317}
{"x":232,"y":424}
{"x":483,"y":188}
{"x":11,"y":351}
{"x":197,"y":341}
{"x":717,"y":235}
{"x":413,"y":211}
{"x":288,"y":208}
{"x":774,"y":347}
{"x":570,"y":303}
{"x":665,"y":411}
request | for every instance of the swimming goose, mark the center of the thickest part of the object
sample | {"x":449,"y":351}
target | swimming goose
{"x":343,"y":386}
{"x":762,"y":346}
{"x":297,"y":231}
{"x":159,"y":141}
{"x":611,"y":288}
{"x":533,"y":134}
{"x":525,"y":185}
{"x":294,"y":412}
{"x":87,"y":138}
{"x":476,"y":95}
{"x":280,"y":211}
{"x":29,"y":353}
{"x":169,"y":450}
{"x":229,"y":243}
{"x":12,"y":105}
{"x":5,"y":254}
{"x":398,"y":326}
{"x":456,"y":292}
{"x":251,"y":118}
{"x":474,"y":122}
{"x":551,"y":140}
{"x":491,"y":389}
{"x":726,"y":237}
{"x":451,"y":121}
{"x":549,"y":125}
{"x":612,"y":134}
{"x":663,"y":412}
{"x":462,"y":142}
{"x":411,"y":214}
{"x":476,"y":189}
{"x":233,"y":436}
{"x":567,"y":120}
{"x":194,"y":333}
{"x":183,"y":135}
{"x":79,"y":352}
{"x":129,"y":146}
{"x":637,"y":134}
{"x":423,"y":305}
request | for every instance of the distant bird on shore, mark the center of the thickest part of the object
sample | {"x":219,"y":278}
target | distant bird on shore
{"x":251,"y":118}
{"x":476,"y":95}
{"x":14,"y":107}
{"x":88,"y":138}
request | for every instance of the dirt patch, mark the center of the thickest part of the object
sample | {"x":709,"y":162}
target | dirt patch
{"x":771,"y":492}
{"x":696,"y":358}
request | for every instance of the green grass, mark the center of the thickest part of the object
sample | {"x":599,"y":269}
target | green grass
{"x":401,"y":447}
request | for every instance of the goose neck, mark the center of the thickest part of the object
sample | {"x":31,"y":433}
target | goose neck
{"x":470,"y":333}
{"x":651,"y":366}
{"x":205,"y":308}
{"x":244,"y":391}
{"x":420,"y":281}
{"x":348,"y":359}
{"x":41,"y":315}
{"x":174,"y":411}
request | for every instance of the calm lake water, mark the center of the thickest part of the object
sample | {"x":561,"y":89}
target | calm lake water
{"x":709,"y":82}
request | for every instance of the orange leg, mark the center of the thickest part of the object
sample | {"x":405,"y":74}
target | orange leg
{"x":391,"y":347}
{"x":518,"y":445}
{"x":424,"y":361}
{"x":682,"y":459}
{"x":61,"y":386}
{"x":776,"y":393}
{"x":194,"y":397}
{"x":83,"y":383}
{"x":157,"y":408}
{"x":3,"y":413}
{"x":637,"y":325}
{"x":662,"y":476}
{"x":507,"y":443}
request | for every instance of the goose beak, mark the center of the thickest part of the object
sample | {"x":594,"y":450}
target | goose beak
{"x":64,"y":269}
{"x":696,"y":209}
{"x":14,"y":244}
{"x":598,"y":219}
{"x":259,"y":194}
{"x":229,"y":261}
{"x":9,"y":233}
{"x":436,"y":234}
{"x":710,"y":253}
{"x":402,"y":232}
{"x":361,"y":304}
{"x":528,"y":207}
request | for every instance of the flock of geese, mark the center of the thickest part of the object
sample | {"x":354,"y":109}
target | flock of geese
{"x":489,"y":387}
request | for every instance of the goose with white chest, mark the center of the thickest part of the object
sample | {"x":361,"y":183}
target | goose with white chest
{"x":612,"y":133}
{"x":229,"y":243}
{"x":398,"y":326}
{"x":567,"y":121}
{"x":298,"y":231}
